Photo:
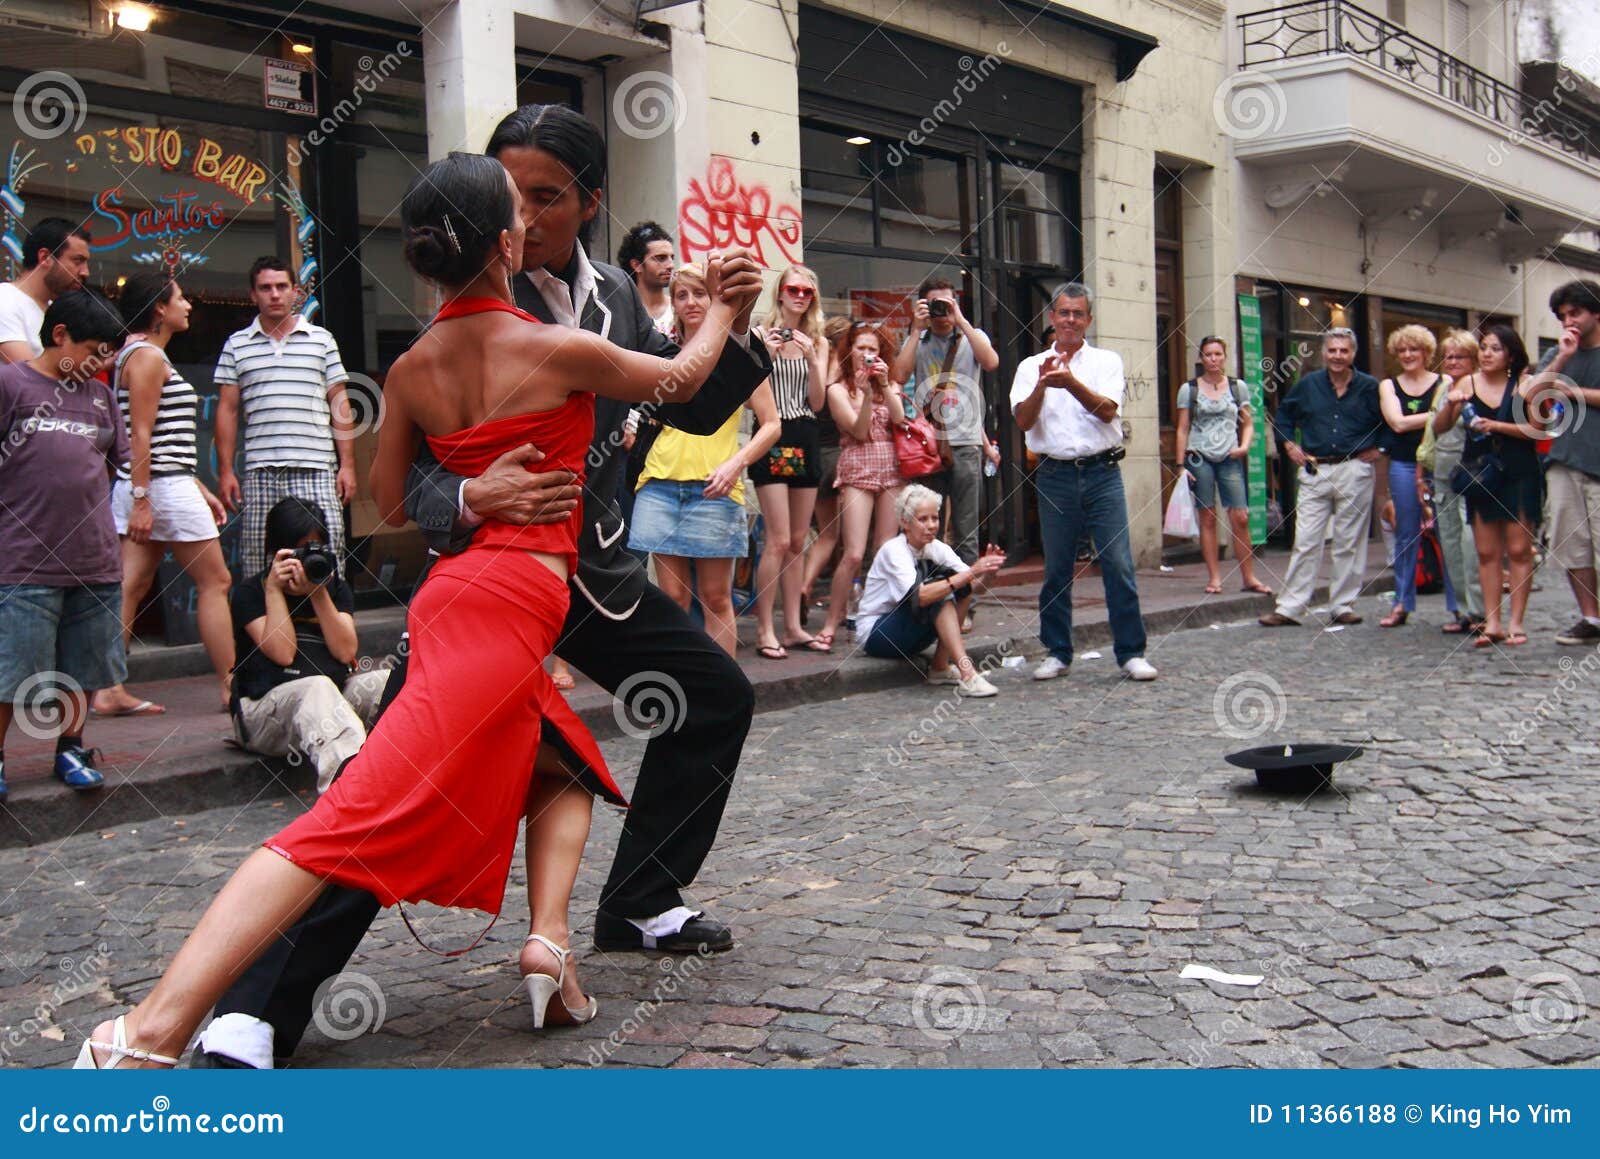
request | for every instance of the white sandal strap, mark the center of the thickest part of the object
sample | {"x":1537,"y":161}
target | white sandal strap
{"x":561,"y":955}
{"x":119,"y":1048}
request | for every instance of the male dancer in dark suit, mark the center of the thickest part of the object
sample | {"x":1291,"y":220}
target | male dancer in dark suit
{"x":620,"y":628}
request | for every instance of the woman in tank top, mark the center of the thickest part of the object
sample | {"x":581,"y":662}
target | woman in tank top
{"x":158,"y":503}
{"x":1406,"y":400}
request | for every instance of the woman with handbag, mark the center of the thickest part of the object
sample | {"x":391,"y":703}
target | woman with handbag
{"x":786,"y":476}
{"x":1215,"y":428}
{"x":1437,"y":460}
{"x":868,"y":407}
{"x":1404,"y":400}
{"x":916,"y":595}
{"x":1499,"y":474}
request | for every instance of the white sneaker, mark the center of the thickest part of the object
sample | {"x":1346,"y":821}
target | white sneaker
{"x":1139,"y":669}
{"x":1050,"y":669}
{"x":947,"y":676}
{"x":977,"y":687}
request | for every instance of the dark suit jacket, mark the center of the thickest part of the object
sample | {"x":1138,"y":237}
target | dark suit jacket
{"x":607,"y":575}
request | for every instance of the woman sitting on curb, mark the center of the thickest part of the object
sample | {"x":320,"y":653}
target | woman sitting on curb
{"x":917,"y":593}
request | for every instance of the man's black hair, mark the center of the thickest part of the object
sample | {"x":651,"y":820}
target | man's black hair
{"x":636,"y":244}
{"x":50,"y":234}
{"x":292,"y":519}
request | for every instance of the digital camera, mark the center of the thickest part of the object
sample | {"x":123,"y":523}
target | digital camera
{"x":938,"y":307}
{"x":317,"y":562}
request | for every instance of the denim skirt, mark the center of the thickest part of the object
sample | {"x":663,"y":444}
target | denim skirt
{"x":675,"y":518}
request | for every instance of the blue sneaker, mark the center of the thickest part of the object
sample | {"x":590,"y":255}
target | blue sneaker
{"x":75,"y":772}
{"x":3,"y":789}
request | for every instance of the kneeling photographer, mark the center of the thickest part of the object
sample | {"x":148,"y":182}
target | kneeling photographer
{"x":295,"y":632}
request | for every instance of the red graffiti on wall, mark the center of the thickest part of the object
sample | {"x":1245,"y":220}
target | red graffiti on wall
{"x":720,"y":213}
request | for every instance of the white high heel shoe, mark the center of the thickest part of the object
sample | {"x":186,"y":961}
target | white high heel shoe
{"x":119,"y":1048}
{"x":544,"y":990}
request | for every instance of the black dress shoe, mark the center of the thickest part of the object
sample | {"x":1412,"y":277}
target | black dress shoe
{"x":700,"y":935}
{"x":205,"y":1060}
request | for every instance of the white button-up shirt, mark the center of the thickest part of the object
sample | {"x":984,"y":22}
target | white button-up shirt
{"x":566,"y":307}
{"x":1066,"y":430}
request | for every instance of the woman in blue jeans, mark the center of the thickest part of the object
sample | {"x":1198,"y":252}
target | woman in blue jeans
{"x":904,"y":609}
{"x":1214,"y":432}
{"x":1406,"y":400}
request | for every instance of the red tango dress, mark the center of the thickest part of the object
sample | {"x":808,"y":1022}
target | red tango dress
{"x":430,"y":808}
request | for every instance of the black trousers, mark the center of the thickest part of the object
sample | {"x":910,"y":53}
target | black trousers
{"x":677,"y":800}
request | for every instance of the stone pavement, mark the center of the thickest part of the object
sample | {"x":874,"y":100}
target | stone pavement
{"x":181,"y":761}
{"x":918,"y":880}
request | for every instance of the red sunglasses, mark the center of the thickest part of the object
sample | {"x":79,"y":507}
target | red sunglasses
{"x":799,"y":291}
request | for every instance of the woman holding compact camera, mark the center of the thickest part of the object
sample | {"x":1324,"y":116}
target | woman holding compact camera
{"x":867,"y":406}
{"x":786,"y":476}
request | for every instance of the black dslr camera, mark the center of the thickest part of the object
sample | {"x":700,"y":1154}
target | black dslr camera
{"x":938,"y":307}
{"x":317,"y":562}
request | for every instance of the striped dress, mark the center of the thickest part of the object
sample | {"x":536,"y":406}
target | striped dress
{"x":791,"y":377}
{"x":172,"y":439}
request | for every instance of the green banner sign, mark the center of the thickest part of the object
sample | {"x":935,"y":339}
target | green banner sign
{"x":1256,"y":466}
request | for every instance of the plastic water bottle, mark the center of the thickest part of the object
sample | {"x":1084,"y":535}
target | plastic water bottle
{"x":990,"y":468}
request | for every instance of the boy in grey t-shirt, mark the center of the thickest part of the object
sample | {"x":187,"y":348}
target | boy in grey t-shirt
{"x":1573,"y":478}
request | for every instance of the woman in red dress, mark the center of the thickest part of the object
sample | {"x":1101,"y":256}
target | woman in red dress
{"x":479,"y":737}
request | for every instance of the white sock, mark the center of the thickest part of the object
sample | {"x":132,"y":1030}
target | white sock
{"x":1595,"y":620}
{"x":667,"y":924}
{"x":241,"y":1038}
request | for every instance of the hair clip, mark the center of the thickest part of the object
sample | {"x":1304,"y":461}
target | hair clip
{"x":450,"y":232}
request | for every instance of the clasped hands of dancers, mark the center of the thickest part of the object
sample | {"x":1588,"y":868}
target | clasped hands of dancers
{"x":477,"y":738}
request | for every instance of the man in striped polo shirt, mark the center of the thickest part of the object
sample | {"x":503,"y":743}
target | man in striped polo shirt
{"x":297,"y":438}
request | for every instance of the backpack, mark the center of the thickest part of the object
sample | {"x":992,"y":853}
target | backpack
{"x":1430,"y":564}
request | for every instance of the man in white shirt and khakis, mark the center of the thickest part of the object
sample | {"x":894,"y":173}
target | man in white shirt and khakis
{"x":1068,"y":400}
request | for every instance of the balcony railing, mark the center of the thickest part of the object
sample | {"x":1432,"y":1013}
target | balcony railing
{"x":1335,"y":27}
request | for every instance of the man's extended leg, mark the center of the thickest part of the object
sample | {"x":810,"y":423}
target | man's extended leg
{"x":658,"y":659}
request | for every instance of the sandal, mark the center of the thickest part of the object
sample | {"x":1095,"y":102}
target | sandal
{"x":563,"y":681}
{"x":118,"y":1048}
{"x":1394,"y":619}
{"x":772,"y":652}
{"x":814,"y":644}
{"x":1258,"y":588}
{"x":1515,"y":639}
{"x":1486,"y":638}
{"x":826,"y":638}
{"x":1213,"y":589}
{"x":544,"y":993}
{"x":1456,"y":627}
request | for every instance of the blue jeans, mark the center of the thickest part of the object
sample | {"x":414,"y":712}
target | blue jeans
{"x":1073,"y":502}
{"x":1407,"y":532}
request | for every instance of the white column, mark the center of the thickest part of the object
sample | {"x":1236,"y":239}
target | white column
{"x":469,"y":69}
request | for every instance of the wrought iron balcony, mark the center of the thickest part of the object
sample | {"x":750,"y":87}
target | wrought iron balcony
{"x":1336,"y":27}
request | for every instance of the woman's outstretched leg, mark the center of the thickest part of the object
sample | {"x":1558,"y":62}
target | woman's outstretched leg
{"x":263,"y":898}
{"x":559,"y":810}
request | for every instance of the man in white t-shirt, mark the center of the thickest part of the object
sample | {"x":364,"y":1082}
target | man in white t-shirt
{"x":1069,"y":401}
{"x":55,"y":260}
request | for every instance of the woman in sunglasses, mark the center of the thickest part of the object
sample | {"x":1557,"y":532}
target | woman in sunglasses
{"x":786,"y":477}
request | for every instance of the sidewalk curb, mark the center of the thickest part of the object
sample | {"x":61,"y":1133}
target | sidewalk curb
{"x":43,"y":811}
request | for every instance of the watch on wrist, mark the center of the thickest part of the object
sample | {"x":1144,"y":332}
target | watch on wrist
{"x":140,"y":493}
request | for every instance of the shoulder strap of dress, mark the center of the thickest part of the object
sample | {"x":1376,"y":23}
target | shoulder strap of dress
{"x":462,"y":307}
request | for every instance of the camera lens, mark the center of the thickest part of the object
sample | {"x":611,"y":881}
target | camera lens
{"x":317,"y":562}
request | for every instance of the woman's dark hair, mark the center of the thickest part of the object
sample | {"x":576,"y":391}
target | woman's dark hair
{"x":142,"y":293}
{"x":560,"y":131}
{"x":291,"y":520}
{"x":1516,"y":352}
{"x":88,"y":316}
{"x":1582,"y":293}
{"x":1209,"y":339}
{"x":636,"y":243}
{"x":453,"y":215}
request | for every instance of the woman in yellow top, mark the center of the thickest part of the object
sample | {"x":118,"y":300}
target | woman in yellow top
{"x":689,"y":510}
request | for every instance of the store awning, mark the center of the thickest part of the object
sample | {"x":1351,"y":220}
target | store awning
{"x":1132,"y":45}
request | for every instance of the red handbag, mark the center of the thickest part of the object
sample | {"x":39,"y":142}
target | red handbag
{"x":916,"y":447}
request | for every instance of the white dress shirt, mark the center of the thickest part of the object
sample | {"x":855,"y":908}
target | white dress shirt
{"x":1066,"y":430}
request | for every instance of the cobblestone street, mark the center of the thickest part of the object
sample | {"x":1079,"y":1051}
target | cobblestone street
{"x":920,"y":881}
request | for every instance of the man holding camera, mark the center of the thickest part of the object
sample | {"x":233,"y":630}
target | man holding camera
{"x":941,"y":362}
{"x":295,"y":633}
{"x":1069,"y":401}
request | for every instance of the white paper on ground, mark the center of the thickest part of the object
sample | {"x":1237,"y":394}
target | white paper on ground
{"x":1090,"y":656}
{"x":1334,"y":628}
{"x":1210,"y":975}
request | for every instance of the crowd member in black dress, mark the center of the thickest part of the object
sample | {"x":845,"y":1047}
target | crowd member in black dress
{"x":1506,"y":501}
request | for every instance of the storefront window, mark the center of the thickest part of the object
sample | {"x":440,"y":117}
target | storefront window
{"x":1032,"y":217}
{"x":861,"y":190}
